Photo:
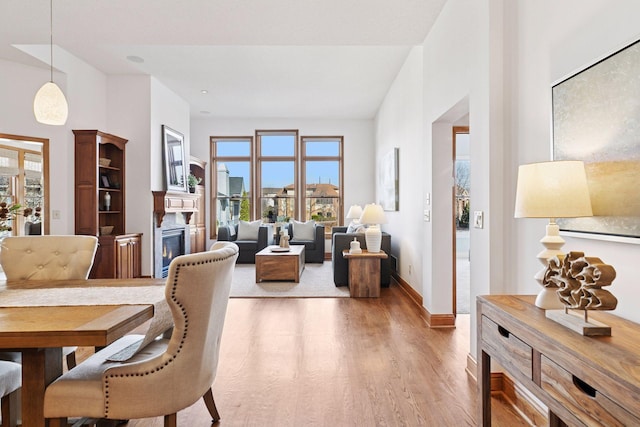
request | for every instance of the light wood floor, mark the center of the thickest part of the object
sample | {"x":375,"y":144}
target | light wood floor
{"x":340,"y":362}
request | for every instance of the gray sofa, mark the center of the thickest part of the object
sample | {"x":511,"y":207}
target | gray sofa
{"x":341,"y":240}
{"x":313,"y":249}
{"x":248,"y":248}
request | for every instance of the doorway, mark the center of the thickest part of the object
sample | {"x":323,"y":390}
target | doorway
{"x":461,"y":234}
{"x":24,"y":179}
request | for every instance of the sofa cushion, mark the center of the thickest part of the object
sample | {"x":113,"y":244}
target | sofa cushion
{"x":248,"y":230}
{"x":304,"y":230}
{"x":356,"y":227}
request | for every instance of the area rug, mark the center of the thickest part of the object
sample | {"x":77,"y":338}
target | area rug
{"x":316,"y":281}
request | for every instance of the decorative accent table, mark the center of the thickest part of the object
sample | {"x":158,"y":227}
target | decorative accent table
{"x":272,"y":265}
{"x":364,"y":273}
{"x":591,"y":381}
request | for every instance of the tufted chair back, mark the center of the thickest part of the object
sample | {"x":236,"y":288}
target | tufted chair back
{"x":48,"y":257}
{"x":167,"y":375}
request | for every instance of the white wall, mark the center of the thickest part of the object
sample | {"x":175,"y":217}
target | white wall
{"x":462,"y":74}
{"x":399,"y":124}
{"x":133,"y":107}
{"x":138,"y":106}
{"x":168,"y":109}
{"x":359,"y":150}
{"x":554,"y":40}
{"x":497,"y":61}
{"x":85,"y":89}
{"x":128,"y":103}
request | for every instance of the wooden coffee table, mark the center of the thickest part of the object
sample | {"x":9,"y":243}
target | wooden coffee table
{"x":271,"y":265}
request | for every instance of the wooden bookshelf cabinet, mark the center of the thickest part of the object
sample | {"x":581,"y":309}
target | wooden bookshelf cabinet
{"x":93,"y":180}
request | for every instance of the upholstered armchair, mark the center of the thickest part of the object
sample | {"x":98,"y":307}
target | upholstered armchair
{"x":49,"y":258}
{"x":313,"y":242}
{"x":249,"y":244}
{"x":341,"y":240}
{"x":168,"y":375}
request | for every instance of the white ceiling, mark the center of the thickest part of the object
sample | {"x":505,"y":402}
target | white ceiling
{"x":256,"y":58}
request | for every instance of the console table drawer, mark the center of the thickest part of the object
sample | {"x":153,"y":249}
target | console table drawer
{"x":582,"y":399}
{"x":509,"y":349}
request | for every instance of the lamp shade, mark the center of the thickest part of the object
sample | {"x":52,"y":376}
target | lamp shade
{"x":50,"y":106}
{"x":552,"y":190}
{"x":373,"y":214}
{"x":355,"y":211}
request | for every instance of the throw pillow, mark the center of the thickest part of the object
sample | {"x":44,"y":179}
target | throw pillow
{"x":304,"y":230}
{"x":356,"y":227}
{"x":249,"y":230}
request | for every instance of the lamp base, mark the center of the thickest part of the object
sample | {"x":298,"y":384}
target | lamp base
{"x":373,"y":238}
{"x":547,"y":299}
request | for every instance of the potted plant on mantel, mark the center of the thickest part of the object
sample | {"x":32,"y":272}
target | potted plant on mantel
{"x":192,"y":181}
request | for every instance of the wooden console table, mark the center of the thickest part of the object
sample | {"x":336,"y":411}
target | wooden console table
{"x":364,"y":273}
{"x":593,"y":381}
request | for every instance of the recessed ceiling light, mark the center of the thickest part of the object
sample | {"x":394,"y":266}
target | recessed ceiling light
{"x":135,"y":59}
{"x":204,"y":91}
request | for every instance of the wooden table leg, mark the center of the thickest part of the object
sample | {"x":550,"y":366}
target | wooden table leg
{"x":39,"y":368}
{"x":484,"y":386}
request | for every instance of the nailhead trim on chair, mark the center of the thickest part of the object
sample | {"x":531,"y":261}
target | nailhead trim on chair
{"x":184,"y":335}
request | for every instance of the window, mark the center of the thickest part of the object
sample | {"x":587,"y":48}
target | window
{"x":322,"y":173}
{"x":277,"y":172}
{"x":265,"y":180}
{"x":231,"y":179}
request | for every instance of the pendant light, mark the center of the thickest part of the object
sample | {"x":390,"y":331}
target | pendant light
{"x":50,"y":106}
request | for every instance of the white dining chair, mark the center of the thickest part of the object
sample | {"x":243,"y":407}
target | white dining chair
{"x":169,"y":374}
{"x":10,"y":382}
{"x":49,"y":257}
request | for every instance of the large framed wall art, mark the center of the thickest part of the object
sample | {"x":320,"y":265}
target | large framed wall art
{"x":596,"y":118}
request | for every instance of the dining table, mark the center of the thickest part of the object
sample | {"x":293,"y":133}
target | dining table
{"x":39,"y":318}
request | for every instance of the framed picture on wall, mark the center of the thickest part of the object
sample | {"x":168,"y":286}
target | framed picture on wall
{"x":389,"y":185}
{"x":596,"y":119}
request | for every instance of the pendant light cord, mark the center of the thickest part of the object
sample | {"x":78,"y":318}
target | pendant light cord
{"x":51,"y":35}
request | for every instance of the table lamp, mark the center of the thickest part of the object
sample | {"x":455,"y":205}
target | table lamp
{"x":354,"y":214}
{"x":373,"y":215}
{"x":552,"y":190}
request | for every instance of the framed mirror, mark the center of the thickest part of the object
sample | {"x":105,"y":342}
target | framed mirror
{"x":176,"y":167}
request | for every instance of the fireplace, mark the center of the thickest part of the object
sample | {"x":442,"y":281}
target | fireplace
{"x":173,"y":245}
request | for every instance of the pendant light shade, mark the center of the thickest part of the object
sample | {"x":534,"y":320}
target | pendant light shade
{"x":50,"y":106}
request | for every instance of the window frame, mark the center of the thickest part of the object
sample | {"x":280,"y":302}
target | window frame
{"x":260,"y":159}
{"x":312,"y":158}
{"x":213,"y":193}
{"x":300,"y":158}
